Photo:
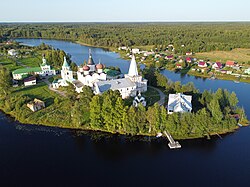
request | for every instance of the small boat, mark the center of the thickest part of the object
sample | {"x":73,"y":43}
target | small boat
{"x":237,"y":82}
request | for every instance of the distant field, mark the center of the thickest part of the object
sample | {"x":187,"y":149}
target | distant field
{"x":238,"y":55}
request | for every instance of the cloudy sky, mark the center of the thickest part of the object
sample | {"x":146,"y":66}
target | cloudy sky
{"x":123,"y":10}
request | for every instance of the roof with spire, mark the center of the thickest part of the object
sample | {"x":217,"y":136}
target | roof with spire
{"x":65,"y":63}
{"x":44,"y":61}
{"x":133,"y":68}
{"x":90,"y":61}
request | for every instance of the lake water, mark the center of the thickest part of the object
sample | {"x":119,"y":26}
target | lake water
{"x":80,"y":53}
{"x":43,"y":156}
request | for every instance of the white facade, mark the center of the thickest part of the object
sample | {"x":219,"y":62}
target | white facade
{"x":128,"y":86}
{"x":30,"y":81}
{"x":12,"y":52}
{"x":136,"y":51}
{"x":247,"y":71}
{"x":88,"y":79}
{"x":217,"y":65}
{"x":141,"y":84}
{"x":89,"y":74}
{"x":66,"y":74}
{"x":179,"y":103}
{"x":46,"y":69}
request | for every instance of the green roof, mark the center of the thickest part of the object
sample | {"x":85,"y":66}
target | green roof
{"x":65,"y":63}
{"x":111,"y":72}
{"x":27,"y":70}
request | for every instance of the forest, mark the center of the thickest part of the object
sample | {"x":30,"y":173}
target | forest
{"x":196,"y":37}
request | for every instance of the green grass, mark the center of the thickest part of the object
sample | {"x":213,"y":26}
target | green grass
{"x":40,"y":91}
{"x":9,"y":63}
{"x":238,"y":55}
{"x":31,"y":61}
{"x":151,"y":96}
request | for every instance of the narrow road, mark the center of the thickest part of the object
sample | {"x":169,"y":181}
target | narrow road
{"x":162,"y":95}
{"x":52,"y":89}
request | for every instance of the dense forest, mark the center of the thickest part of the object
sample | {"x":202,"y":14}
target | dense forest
{"x":196,"y":37}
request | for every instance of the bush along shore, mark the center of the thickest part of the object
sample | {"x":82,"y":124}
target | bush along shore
{"x":213,"y":112}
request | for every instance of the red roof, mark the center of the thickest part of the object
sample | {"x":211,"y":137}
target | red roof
{"x":171,"y":56}
{"x":202,"y":63}
{"x":230,"y":63}
{"x":178,"y":65}
{"x":188,"y":59}
{"x":219,"y":64}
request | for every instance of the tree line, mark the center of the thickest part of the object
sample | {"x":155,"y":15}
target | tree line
{"x":197,"y":37}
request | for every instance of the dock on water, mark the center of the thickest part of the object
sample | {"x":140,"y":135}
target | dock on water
{"x":172,"y":144}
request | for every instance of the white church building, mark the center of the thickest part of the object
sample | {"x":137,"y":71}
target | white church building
{"x":128,"y":86}
{"x":92,"y":75}
{"x":66,"y":74}
{"x":43,"y":71}
{"x":89,"y":73}
{"x":179,"y":103}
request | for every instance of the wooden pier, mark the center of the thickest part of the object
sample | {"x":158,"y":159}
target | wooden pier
{"x":172,"y":144}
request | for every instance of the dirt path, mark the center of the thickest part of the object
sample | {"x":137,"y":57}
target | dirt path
{"x":53,"y":89}
{"x":162,"y":95}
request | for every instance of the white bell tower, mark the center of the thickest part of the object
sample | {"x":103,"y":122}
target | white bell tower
{"x":66,"y":73}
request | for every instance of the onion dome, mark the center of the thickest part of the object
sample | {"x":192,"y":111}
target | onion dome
{"x":86,"y":68}
{"x":99,"y":66}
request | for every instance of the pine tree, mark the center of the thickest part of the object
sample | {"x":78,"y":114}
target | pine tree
{"x":163,"y":115}
{"x":96,"y":120}
{"x":5,"y":81}
{"x":107,"y":113}
{"x":233,"y":100}
{"x":141,"y":118}
{"x":215,"y":110}
{"x":118,"y":114}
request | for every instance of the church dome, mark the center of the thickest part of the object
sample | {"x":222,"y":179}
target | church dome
{"x":86,"y":68}
{"x":99,"y":66}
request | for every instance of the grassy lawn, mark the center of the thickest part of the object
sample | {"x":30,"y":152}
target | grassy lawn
{"x":31,"y":61}
{"x":39,"y":91}
{"x":9,"y":63}
{"x":238,"y":55}
{"x":146,"y":47}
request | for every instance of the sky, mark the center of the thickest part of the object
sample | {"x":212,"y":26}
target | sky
{"x":123,"y":10}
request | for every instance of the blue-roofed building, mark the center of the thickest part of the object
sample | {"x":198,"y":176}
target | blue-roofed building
{"x":179,"y":103}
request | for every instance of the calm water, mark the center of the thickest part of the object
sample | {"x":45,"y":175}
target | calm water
{"x":80,"y":53}
{"x":40,"y":156}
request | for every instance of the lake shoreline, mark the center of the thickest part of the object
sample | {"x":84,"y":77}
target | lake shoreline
{"x":112,"y":49}
{"x":215,"y":134}
{"x":15,"y":116}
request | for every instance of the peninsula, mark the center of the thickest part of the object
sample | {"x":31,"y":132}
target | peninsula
{"x":127,"y":107}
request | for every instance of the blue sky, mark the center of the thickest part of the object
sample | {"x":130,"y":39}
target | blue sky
{"x":125,"y":10}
